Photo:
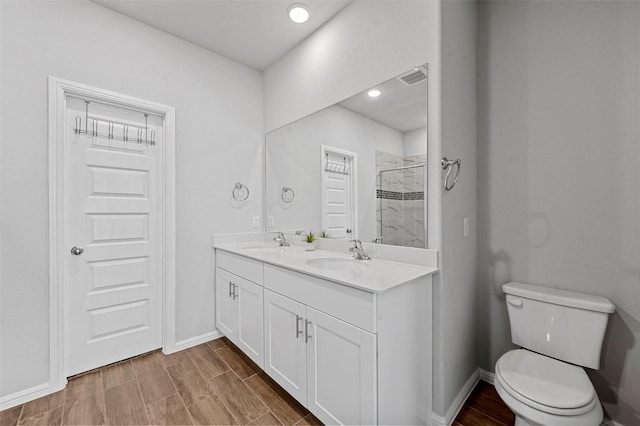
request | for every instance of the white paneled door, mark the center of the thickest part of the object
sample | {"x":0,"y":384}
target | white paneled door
{"x":114,"y":237}
{"x":338,"y":193}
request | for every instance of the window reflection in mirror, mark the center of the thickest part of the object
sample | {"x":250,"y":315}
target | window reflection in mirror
{"x":357,"y":168}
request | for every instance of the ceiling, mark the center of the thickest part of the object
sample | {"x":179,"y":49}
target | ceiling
{"x":252,"y":32}
{"x":400,"y":106}
{"x":256,"y":33}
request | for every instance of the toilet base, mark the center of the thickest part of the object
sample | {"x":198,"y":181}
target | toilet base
{"x":523,"y":422}
{"x":528,"y":416}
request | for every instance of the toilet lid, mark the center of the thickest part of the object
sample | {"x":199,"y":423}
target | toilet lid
{"x":545,"y":380}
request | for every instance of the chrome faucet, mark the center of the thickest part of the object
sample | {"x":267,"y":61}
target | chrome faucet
{"x":377,"y":240}
{"x":358,"y":251}
{"x":281,"y":240}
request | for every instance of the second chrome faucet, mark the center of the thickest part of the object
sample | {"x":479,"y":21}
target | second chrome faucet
{"x":281,"y":240}
{"x":358,"y":251}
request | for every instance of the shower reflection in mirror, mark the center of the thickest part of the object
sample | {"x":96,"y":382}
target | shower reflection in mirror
{"x":400,"y":193}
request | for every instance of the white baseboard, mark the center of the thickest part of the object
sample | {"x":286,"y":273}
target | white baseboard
{"x":27,"y":395}
{"x":457,"y":403}
{"x":45,"y":389}
{"x":194,"y":341}
{"x":487,"y":376}
{"x":437,"y":420}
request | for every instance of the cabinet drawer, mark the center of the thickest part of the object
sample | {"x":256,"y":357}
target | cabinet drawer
{"x":351,"y":305}
{"x":241,"y":266}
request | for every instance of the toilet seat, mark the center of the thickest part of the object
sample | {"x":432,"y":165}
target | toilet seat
{"x":546,"y":384}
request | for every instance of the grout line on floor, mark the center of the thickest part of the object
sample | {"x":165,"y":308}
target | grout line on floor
{"x":22,"y":411}
{"x":144,"y":404}
{"x":184,"y":404}
{"x":208,"y":381}
{"x":266,"y":404}
{"x":254,"y":374}
{"x":243,"y":382}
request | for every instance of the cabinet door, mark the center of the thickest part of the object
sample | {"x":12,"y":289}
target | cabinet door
{"x":285,"y":349}
{"x":341,"y":371}
{"x":249,"y":331}
{"x":226,"y":308}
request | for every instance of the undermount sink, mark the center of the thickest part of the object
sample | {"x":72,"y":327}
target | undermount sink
{"x":338,"y":264}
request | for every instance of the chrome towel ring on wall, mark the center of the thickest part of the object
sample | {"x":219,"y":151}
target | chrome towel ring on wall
{"x":240,"y":192}
{"x":448,"y":165}
{"x":287,"y":194}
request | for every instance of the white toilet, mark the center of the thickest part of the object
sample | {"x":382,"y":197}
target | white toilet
{"x":560,"y":331}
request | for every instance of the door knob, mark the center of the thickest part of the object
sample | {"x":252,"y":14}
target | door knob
{"x":77,"y":250}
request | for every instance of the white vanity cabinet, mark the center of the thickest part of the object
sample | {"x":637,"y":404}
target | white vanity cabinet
{"x":326,"y":364}
{"x":351,"y":354}
{"x":239,"y":304}
{"x":320,"y":345}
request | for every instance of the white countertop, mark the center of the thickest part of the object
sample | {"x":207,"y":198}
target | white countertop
{"x":375,"y":275}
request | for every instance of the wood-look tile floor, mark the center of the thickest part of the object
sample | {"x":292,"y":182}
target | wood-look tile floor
{"x":484,"y":407}
{"x":210,"y":384}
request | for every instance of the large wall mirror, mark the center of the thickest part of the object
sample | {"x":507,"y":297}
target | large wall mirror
{"x":356,"y":169}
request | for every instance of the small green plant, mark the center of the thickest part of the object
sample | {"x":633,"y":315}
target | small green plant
{"x":310,"y":237}
{"x":324,"y":234}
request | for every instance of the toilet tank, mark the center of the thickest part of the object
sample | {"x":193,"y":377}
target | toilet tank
{"x":565,"y":325}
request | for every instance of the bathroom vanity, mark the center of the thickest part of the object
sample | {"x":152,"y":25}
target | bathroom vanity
{"x":349,"y":339}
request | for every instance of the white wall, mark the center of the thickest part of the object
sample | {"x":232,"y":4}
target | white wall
{"x":455,"y":357}
{"x":219,"y":126}
{"x":559,"y":171}
{"x":414,"y":142}
{"x":294,"y":159}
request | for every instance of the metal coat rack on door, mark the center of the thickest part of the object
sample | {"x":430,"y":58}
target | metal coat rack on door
{"x":149,"y":137}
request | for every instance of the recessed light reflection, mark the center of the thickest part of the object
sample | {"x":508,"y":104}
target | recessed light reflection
{"x":298,"y":13}
{"x":374,"y":93}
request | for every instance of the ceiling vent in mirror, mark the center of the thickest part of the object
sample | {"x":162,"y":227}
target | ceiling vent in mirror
{"x":413,"y":77}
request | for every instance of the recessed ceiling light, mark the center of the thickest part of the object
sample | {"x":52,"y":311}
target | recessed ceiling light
{"x":374,"y":93}
{"x":298,"y":13}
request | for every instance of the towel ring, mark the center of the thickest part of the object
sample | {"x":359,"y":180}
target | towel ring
{"x":240,"y":192}
{"x":287,"y":194}
{"x":448,"y":165}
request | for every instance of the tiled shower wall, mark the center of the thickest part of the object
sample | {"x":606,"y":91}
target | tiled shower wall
{"x":400,"y":194}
